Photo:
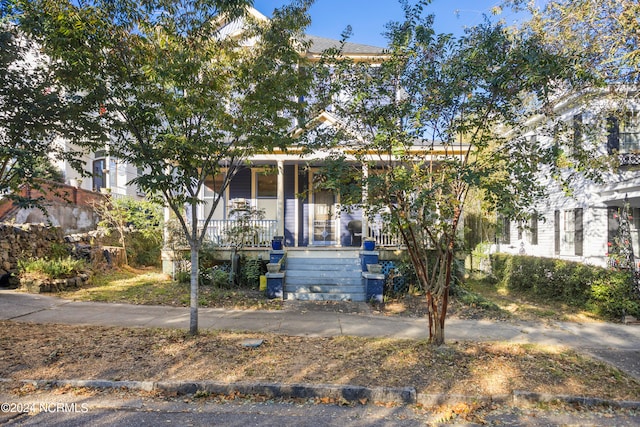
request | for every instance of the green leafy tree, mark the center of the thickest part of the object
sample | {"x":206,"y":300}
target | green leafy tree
{"x":126,"y":216}
{"x":602,"y":40}
{"x":34,"y":112}
{"x":183,"y":101}
{"x":428,"y":124}
{"x":601,"y":35}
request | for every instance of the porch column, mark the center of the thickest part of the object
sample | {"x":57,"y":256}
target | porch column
{"x":280,"y":207}
{"x":365,"y":196}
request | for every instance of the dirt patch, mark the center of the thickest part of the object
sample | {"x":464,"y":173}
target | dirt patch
{"x":32,"y":351}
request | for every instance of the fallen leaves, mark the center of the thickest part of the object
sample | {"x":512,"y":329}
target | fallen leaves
{"x":31,"y":351}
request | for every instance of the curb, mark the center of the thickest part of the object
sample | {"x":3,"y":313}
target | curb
{"x":350,"y":393}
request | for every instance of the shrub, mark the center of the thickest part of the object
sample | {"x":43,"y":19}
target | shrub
{"x":250,"y":271}
{"x":143,"y":250}
{"x":220,"y":278}
{"x":604,"y":292}
{"x":214,"y":276}
{"x":183,"y":276}
{"x":52,"y":268}
{"x":58,"y":250}
{"x":611,"y":297}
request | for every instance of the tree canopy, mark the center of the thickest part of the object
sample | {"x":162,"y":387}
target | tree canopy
{"x":184,"y":97}
{"x":35,"y":112}
{"x":439,"y":117}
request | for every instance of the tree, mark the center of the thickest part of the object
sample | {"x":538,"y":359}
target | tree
{"x":32,"y":108}
{"x":602,"y":34}
{"x":128,"y":215}
{"x":602,"y":39}
{"x":184,"y":102}
{"x":442,"y":116}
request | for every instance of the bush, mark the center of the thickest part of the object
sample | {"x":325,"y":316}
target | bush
{"x":183,"y":276}
{"x":604,"y":292}
{"x":250,"y":271}
{"x":143,"y":250}
{"x":52,"y":268}
{"x":610,"y":297}
{"x":220,"y":278}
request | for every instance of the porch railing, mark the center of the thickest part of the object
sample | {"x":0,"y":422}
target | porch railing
{"x":260,"y":232}
{"x":380,"y":232}
{"x":249,"y":233}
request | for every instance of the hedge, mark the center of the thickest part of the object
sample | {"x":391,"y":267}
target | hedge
{"x":607,"y":293}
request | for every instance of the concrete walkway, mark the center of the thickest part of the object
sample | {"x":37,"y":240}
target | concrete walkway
{"x":616,"y":344}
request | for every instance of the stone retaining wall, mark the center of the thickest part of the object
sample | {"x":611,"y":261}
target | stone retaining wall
{"x":25,"y":241}
{"x":20,"y":242}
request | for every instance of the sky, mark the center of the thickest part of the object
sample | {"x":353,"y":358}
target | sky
{"x":367,"y":18}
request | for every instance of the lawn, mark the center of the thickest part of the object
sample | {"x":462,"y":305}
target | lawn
{"x":150,"y":286}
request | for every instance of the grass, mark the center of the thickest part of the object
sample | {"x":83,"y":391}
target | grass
{"x":525,"y":306}
{"x":51,"y":268}
{"x":480,"y":298}
{"x":151,"y":287}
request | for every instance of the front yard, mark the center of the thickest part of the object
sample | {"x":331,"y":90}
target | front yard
{"x":50,"y":351}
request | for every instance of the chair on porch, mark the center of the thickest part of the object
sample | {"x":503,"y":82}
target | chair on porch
{"x":355,"y":229}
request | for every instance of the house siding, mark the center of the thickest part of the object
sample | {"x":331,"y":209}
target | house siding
{"x":594,"y":236}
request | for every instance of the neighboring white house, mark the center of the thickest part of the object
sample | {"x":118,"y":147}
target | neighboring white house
{"x":580,"y":227}
{"x":107,"y":174}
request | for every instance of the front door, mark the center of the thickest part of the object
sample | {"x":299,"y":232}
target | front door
{"x":323,"y":219}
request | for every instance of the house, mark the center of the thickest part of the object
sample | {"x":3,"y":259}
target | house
{"x":582,"y":226}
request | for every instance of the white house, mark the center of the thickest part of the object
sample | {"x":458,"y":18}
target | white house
{"x":581,"y":226}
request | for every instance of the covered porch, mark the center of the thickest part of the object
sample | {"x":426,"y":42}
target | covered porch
{"x":278,"y":195}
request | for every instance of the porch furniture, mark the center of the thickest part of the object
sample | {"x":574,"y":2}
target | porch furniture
{"x":355,"y":229}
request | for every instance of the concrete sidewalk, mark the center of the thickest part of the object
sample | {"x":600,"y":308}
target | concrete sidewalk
{"x":614,"y":343}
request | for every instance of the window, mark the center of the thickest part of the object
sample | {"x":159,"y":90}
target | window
{"x":266,"y":192}
{"x":520,"y":230}
{"x":630,"y":133}
{"x":266,"y":185}
{"x":99,"y":167}
{"x":573,"y":231}
{"x":623,"y":135}
{"x":568,"y":219}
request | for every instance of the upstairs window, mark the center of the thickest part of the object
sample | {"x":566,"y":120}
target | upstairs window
{"x":630,"y":133}
{"x":623,"y":134}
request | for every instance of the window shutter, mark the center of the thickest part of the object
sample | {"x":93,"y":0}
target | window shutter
{"x":534,"y":229}
{"x":577,"y":131}
{"x":556,"y":231}
{"x":578,"y":246}
{"x":613,"y":135}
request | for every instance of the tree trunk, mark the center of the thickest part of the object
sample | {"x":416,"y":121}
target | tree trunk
{"x":193,"y":321}
{"x":436,"y":320}
{"x":124,"y":249}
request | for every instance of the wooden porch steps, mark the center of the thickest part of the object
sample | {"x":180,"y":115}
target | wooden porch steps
{"x":323,"y":275}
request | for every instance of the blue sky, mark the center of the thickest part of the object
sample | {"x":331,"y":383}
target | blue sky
{"x":368,"y":17}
